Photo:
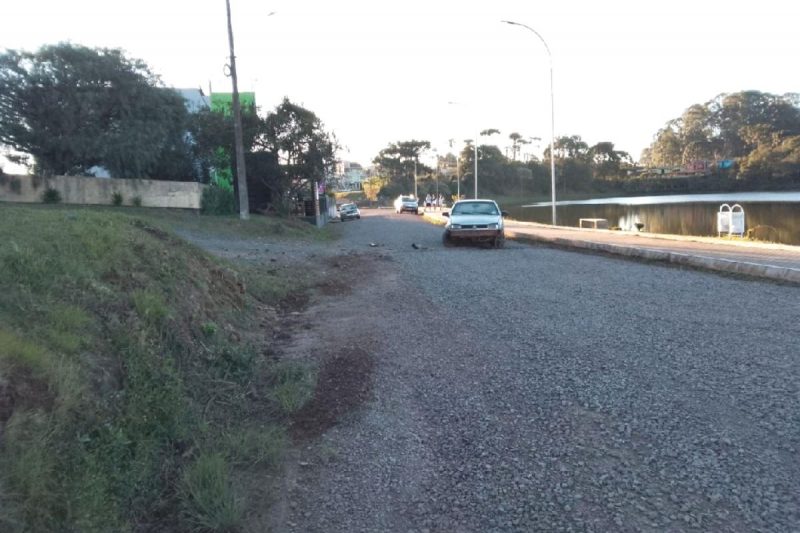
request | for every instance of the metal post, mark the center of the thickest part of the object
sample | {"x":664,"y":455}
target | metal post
{"x":476,"y":165}
{"x":475,"y":151}
{"x":415,"y":179}
{"x":241,"y":175}
{"x":437,"y":176}
{"x":458,"y":181}
{"x":552,"y":118}
{"x":552,"y":140}
{"x":317,"y":213}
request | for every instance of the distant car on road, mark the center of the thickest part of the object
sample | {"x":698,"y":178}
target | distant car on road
{"x":406,"y":203}
{"x":475,"y":221}
{"x":349,"y":212}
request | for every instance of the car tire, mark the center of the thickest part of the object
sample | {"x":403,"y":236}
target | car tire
{"x":447,"y":241}
{"x":499,"y":241}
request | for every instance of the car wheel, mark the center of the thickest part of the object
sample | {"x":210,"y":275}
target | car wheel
{"x":499,"y":241}
{"x":358,"y":217}
{"x":446,"y":240}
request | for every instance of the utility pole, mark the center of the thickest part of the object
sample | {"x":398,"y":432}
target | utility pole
{"x":477,"y":136}
{"x":241,"y":175}
{"x":415,"y":176}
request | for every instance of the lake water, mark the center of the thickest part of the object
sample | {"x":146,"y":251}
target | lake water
{"x":686,"y":214}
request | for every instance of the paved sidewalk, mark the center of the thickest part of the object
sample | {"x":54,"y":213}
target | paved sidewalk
{"x":772,"y":261}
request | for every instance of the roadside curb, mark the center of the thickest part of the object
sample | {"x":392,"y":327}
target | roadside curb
{"x":777,"y":273}
{"x":771,"y":272}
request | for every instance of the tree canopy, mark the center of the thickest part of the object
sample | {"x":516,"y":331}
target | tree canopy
{"x":71,"y":107}
{"x":305,"y":151}
{"x":395,"y":163}
{"x":757,"y":130}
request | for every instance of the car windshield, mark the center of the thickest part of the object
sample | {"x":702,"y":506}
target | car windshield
{"x":408,"y":199}
{"x":475,"y":208}
{"x":347,"y":207}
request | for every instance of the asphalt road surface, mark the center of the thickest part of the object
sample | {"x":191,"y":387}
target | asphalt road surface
{"x":536,"y":389}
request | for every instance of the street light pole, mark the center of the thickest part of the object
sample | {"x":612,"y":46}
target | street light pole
{"x":476,"y":164}
{"x":475,"y":152}
{"x":415,"y":178}
{"x":458,"y":181}
{"x":241,"y":175}
{"x":552,"y":117}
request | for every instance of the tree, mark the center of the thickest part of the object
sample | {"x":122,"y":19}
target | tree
{"x":731,"y":126}
{"x":71,"y":107}
{"x":305,"y":151}
{"x":517,"y":141}
{"x":666,"y":151}
{"x":213,"y":141}
{"x":372,"y":187}
{"x":396,"y":164}
{"x":606,"y":161}
{"x":569,"y":147}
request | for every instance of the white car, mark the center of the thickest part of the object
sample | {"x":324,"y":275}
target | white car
{"x":349,"y":212}
{"x":406,"y":203}
{"x":475,"y":221}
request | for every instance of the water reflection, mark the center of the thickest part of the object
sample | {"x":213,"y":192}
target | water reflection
{"x":681,"y":219}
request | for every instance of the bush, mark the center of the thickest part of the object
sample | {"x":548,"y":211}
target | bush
{"x":116,"y":199}
{"x":217,"y":201}
{"x":136,"y":201}
{"x":51,"y":196}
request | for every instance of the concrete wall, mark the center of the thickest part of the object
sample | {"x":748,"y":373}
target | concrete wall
{"x":99,"y":191}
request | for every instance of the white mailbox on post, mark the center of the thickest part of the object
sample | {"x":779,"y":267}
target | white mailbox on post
{"x":730,"y":220}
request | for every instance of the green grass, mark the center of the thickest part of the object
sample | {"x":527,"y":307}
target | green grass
{"x":293,"y":385}
{"x":209,"y":501}
{"x":262,"y":446}
{"x":133,"y":405}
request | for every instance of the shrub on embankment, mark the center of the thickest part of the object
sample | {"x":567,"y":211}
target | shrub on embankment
{"x":127,"y":398}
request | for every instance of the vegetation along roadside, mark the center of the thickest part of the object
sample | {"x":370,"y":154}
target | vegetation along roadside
{"x":138,"y":385}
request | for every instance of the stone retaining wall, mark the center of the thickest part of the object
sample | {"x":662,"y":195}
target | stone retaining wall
{"x":99,"y":191}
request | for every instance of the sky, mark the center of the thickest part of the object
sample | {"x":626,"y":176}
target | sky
{"x":378,"y":72}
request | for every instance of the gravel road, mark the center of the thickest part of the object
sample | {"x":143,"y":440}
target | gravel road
{"x":535,"y":389}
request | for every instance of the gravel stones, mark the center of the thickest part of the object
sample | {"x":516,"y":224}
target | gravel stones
{"x":532,"y":388}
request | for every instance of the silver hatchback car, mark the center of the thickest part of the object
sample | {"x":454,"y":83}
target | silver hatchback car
{"x":476,"y":221}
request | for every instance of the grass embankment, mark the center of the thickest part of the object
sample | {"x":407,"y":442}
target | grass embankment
{"x":128,"y":397}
